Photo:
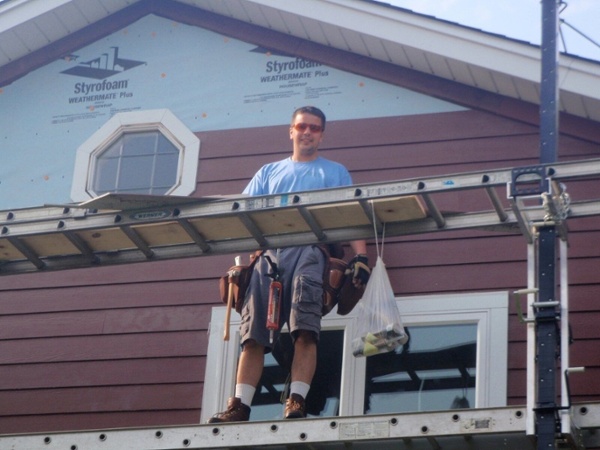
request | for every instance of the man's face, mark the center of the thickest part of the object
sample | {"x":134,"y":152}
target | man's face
{"x":306,"y":140}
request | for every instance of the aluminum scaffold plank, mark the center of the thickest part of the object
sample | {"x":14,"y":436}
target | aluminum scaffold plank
{"x":116,"y":228}
{"x":475,"y":429}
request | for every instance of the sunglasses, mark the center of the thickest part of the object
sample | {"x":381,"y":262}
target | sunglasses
{"x":304,"y":126}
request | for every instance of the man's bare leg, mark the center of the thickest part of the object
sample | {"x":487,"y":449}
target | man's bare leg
{"x":303,"y":370}
{"x":305,"y":357}
{"x":250,"y":366}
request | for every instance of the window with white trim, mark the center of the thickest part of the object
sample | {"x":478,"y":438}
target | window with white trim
{"x":456,"y":358}
{"x":140,"y":152}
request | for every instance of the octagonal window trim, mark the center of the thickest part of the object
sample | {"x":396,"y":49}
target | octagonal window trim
{"x":162,"y":121}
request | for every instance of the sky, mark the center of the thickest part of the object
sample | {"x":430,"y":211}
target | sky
{"x":518,"y":19}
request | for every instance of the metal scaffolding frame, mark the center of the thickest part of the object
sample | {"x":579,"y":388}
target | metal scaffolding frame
{"x":115,"y":229}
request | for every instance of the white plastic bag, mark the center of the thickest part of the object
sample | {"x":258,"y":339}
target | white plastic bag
{"x":379,"y":326}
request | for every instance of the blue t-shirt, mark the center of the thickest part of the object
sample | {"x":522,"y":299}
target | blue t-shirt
{"x":286,"y":176}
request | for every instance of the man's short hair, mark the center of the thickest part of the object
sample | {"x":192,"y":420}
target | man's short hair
{"x":310,"y":110}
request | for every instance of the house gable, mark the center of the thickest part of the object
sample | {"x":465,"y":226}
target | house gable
{"x":197,"y":74}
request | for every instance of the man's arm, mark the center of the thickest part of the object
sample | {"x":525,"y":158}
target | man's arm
{"x":359,"y":247}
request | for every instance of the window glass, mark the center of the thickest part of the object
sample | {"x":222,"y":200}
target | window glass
{"x":105,"y":175}
{"x":434,"y":370}
{"x":141,"y":163}
{"x":165,"y":173}
{"x":134,"y":175}
{"x":114,"y":151}
{"x":139,"y":144}
{"x":165,"y":146}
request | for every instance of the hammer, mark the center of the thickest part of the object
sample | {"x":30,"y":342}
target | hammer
{"x":231,"y":277}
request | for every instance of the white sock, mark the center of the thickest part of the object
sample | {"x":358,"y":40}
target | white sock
{"x":300,"y":388}
{"x":245,"y":393}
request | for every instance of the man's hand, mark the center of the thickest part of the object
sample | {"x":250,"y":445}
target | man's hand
{"x":359,"y":269}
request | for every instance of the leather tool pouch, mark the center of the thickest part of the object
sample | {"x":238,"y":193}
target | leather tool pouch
{"x":238,"y":279}
{"x":338,"y":288}
{"x":333,"y":280}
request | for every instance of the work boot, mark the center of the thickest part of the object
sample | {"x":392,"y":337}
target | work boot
{"x":236,"y":412}
{"x":295,"y":407}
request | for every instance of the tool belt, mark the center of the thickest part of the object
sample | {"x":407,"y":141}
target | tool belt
{"x":338,"y":288}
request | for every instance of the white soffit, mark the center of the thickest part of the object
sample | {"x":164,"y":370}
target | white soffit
{"x":444,"y":49}
{"x":487,"y":61}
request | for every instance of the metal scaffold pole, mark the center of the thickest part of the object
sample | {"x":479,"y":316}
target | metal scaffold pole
{"x":547,"y":333}
{"x":549,"y":83}
{"x":546,"y":317}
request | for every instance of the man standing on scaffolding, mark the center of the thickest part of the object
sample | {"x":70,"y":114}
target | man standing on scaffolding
{"x":299,"y":269}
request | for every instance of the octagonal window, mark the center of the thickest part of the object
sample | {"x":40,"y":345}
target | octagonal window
{"x":137,"y":163}
{"x":143,"y":152}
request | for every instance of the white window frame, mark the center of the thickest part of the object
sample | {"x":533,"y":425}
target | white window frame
{"x":162,"y":120}
{"x":489,"y":310}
